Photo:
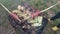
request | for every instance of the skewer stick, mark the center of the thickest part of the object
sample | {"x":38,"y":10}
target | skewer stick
{"x":5,"y":8}
{"x":13,"y":15}
{"x":50,"y":7}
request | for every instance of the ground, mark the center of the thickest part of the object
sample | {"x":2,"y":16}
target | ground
{"x":38,"y":4}
{"x":3,"y":30}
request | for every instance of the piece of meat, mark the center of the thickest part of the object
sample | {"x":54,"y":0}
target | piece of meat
{"x":35,"y":14}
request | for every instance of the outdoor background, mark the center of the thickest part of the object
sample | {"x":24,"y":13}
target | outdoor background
{"x":38,"y":4}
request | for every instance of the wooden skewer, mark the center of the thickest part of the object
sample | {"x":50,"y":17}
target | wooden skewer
{"x":5,"y":8}
{"x":50,"y":7}
{"x":13,"y":15}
